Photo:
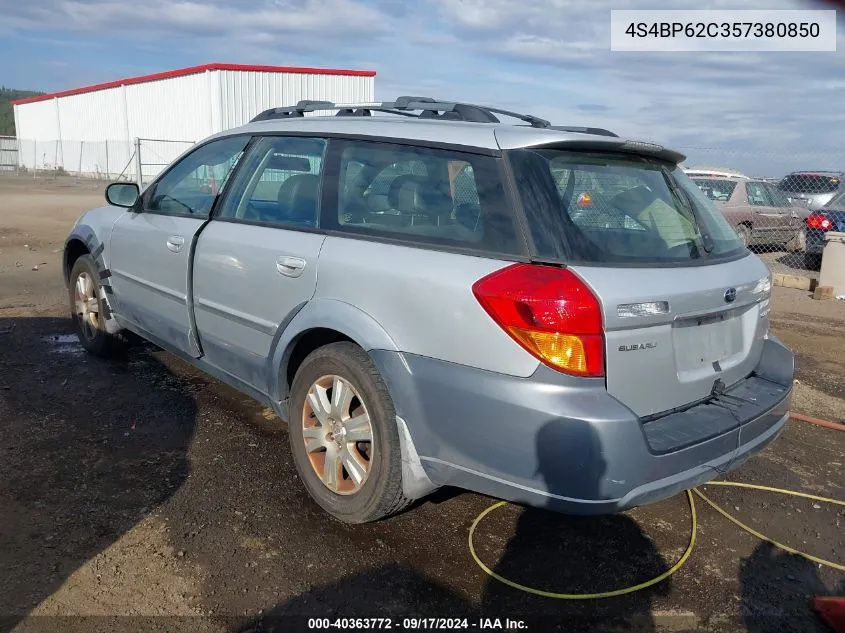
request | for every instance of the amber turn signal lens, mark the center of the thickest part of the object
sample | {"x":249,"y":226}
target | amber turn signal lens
{"x":567,"y":352}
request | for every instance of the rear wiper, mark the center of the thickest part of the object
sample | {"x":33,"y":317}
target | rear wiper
{"x":681,"y":196}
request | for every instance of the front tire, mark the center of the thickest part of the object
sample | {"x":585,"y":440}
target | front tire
{"x":88,"y":310}
{"x":343,"y":435}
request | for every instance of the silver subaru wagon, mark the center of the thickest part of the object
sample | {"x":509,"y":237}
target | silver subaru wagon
{"x":431,"y":297}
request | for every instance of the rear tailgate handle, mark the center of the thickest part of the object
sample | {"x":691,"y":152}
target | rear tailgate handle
{"x":290,"y":266}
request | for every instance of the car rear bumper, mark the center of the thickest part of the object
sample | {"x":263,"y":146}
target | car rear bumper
{"x":563,"y":443}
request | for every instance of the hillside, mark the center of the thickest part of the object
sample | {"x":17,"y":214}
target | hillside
{"x":7,"y":116}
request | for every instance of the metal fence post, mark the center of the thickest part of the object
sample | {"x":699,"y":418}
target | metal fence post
{"x":139,"y":177}
{"x":108,"y":167}
{"x":81,"y":145}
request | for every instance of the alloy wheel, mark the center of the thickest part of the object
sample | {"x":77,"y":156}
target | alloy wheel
{"x":338,"y":434}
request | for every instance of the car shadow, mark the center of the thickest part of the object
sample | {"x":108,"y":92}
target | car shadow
{"x":765,"y":607}
{"x":546,"y":550}
{"x":90,"y":448}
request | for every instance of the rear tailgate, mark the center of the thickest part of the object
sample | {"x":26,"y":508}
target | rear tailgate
{"x":671,"y":333}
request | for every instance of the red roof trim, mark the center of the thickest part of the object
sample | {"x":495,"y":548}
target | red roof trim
{"x":193,"y":70}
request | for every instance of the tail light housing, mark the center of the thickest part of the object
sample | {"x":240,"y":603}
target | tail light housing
{"x":550,"y":312}
{"x":819,"y":221}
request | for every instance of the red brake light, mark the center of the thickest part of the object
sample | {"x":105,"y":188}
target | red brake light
{"x":819,"y":221}
{"x":551,"y":312}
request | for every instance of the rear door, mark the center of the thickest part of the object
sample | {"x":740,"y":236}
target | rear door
{"x":256,"y":261}
{"x":769,"y":222}
{"x":150,"y":250}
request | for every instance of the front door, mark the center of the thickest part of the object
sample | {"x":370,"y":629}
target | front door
{"x":151,"y":247}
{"x":256,"y":261}
{"x":768,"y":221}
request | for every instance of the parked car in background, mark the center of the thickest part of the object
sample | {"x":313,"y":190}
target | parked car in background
{"x":831,"y":217}
{"x":713,"y":172}
{"x":813,"y":189}
{"x":758,"y":211}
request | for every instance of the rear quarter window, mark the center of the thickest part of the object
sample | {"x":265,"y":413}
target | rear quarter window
{"x":424,"y":196}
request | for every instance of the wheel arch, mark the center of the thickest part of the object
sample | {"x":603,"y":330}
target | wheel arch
{"x":314,"y":324}
{"x":75,"y":248}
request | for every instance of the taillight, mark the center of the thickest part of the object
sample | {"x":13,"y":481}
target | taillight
{"x":550,"y":312}
{"x":819,"y":221}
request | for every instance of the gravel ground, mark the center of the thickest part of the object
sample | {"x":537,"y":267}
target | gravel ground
{"x":141,"y":494}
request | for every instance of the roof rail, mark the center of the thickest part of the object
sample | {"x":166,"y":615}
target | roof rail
{"x":428,"y":108}
{"x":423,"y":108}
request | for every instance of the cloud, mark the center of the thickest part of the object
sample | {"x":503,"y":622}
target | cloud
{"x":259,"y":22}
{"x":548,"y":57}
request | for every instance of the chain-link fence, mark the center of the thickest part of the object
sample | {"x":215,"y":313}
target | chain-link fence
{"x":779,"y":209}
{"x":139,"y":160}
{"x":779,"y":203}
{"x":105,"y":160}
{"x":153,"y":155}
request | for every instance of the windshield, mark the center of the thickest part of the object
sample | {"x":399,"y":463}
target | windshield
{"x":809,"y":183}
{"x":617,"y":208}
{"x":716,"y":190}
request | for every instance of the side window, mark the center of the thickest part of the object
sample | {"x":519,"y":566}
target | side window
{"x":756,"y":194}
{"x":423,"y":195}
{"x":279,"y":183}
{"x":191,"y":186}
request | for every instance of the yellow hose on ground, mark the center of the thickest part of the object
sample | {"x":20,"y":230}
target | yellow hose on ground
{"x":681,"y":560}
{"x":586,"y":596}
{"x":763,"y":537}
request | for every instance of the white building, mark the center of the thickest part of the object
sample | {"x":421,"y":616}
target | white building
{"x":92,"y":130}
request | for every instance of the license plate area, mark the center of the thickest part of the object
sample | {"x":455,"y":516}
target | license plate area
{"x":701,"y":341}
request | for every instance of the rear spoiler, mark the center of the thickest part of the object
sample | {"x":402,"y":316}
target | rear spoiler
{"x":606,"y":144}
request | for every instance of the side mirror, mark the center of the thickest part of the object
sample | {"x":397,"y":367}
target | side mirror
{"x":122,"y":194}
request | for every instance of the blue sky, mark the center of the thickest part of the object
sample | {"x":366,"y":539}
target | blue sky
{"x":765,"y":113}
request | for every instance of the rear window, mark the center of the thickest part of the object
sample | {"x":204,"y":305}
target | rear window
{"x":809,"y":183}
{"x":715,"y":189}
{"x":617,"y":209}
{"x":423,"y":195}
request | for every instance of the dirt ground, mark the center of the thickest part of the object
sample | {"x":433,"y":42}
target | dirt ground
{"x":142,"y":494}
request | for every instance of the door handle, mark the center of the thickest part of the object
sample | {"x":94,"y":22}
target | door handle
{"x":290,"y":266}
{"x":175,"y":243}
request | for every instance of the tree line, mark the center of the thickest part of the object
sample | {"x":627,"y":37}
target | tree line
{"x":7,"y":115}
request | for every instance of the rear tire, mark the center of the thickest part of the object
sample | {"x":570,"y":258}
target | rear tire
{"x":88,"y":310}
{"x":336,"y":390}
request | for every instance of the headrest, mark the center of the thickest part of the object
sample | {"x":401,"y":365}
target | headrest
{"x":402,"y":193}
{"x":281,"y":162}
{"x":416,"y":195}
{"x":298,"y":197}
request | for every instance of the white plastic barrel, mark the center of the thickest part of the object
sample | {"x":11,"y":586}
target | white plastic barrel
{"x":833,"y":263}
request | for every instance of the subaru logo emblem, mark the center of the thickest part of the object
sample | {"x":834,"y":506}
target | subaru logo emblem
{"x":730,"y":295}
